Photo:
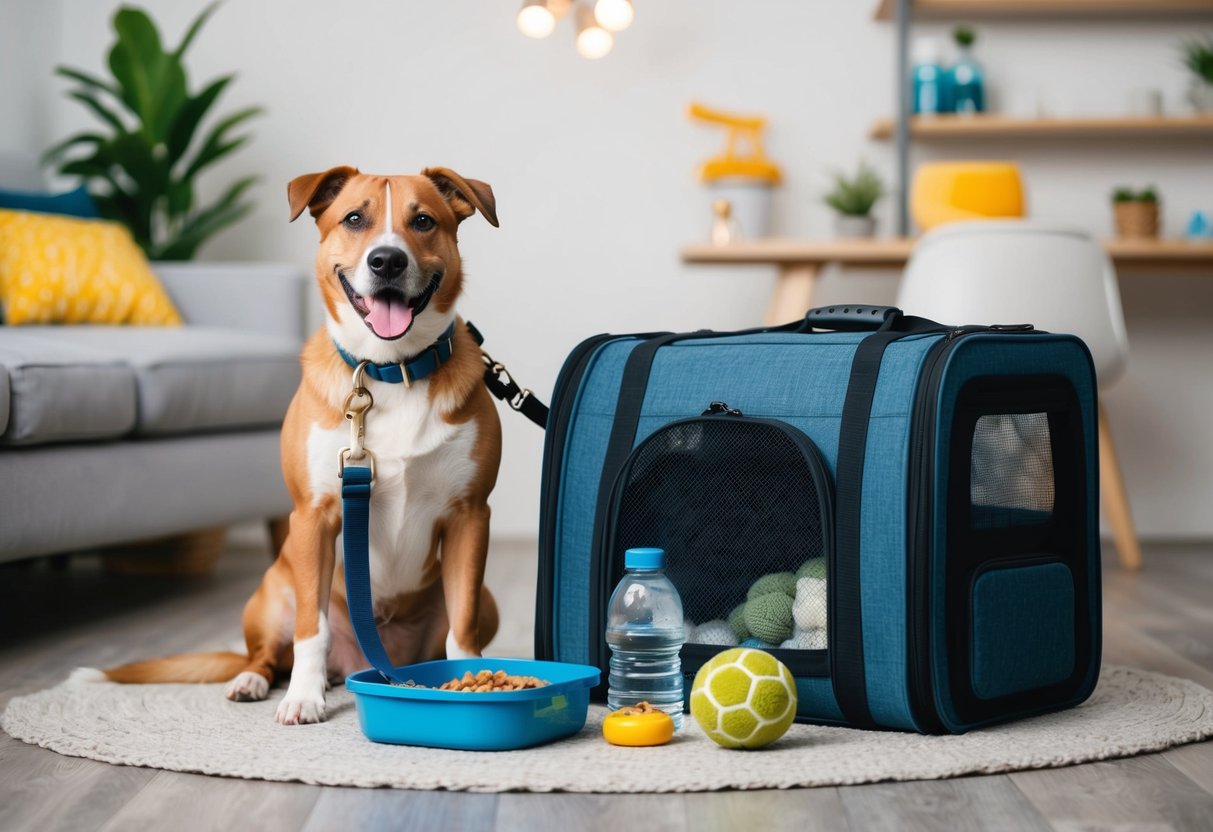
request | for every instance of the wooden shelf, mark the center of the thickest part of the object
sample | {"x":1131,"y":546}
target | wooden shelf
{"x":944,"y":127}
{"x":893,"y":252}
{"x":954,"y":9}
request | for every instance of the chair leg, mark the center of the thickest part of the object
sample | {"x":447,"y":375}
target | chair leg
{"x":1116,"y":500}
{"x":278,"y":527}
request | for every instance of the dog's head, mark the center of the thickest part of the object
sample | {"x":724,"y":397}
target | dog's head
{"x":388,"y":264}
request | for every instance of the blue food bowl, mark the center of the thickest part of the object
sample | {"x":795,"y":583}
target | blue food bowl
{"x":474,"y":721}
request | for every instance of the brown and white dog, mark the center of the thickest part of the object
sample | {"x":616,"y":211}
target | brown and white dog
{"x":390,"y":274}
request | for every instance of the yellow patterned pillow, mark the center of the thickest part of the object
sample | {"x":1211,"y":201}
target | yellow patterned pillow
{"x":63,"y":270}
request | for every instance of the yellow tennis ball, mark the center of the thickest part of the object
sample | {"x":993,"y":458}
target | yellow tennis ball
{"x":744,"y":698}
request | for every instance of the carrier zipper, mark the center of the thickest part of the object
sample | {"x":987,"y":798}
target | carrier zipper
{"x":563,"y":397}
{"x":918,"y":537}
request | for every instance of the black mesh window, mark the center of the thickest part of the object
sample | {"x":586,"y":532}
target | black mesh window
{"x":738,"y":505}
{"x":1011,"y":475}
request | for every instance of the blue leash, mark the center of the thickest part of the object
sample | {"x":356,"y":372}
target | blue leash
{"x":356,"y":518}
{"x":358,"y":478}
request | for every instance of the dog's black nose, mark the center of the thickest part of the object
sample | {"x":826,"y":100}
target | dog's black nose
{"x":387,"y":262}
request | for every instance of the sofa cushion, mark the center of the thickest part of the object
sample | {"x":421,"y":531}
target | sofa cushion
{"x":199,"y":378}
{"x":61,"y":391}
{"x":75,"y":203}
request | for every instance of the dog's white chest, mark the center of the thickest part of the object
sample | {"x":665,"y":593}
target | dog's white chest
{"x":423,"y":464}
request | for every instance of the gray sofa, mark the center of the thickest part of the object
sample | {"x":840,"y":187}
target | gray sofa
{"x":115,"y":434}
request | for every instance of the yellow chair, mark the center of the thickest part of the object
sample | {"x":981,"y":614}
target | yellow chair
{"x":946,"y":192}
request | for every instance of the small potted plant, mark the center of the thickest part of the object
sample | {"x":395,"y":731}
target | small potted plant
{"x":1136,"y":212}
{"x":853,"y":199}
{"x":1198,"y":57}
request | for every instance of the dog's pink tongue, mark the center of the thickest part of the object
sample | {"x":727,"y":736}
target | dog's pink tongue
{"x":390,"y":316}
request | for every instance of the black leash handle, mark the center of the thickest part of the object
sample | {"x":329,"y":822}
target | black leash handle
{"x":502,"y":385}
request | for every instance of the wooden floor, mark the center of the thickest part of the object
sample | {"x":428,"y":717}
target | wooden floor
{"x":53,"y":621}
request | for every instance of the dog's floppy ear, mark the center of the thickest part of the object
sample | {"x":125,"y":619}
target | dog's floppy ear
{"x":465,"y":196}
{"x":317,"y":191}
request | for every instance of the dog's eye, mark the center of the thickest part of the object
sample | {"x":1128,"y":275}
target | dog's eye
{"x":354,"y":220}
{"x":423,"y":222}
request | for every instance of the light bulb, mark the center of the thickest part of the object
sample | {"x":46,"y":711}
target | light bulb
{"x":614,"y":15}
{"x":593,"y":41}
{"x":535,"y":20}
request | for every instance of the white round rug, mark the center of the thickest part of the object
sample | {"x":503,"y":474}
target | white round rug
{"x":193,"y":728}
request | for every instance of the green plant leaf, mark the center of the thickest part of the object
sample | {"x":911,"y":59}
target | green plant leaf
{"x":208,"y":222}
{"x":100,"y":110}
{"x":190,"y":115}
{"x":194,"y":28}
{"x":216,"y":145}
{"x":133,"y":57}
{"x":88,"y":80}
{"x":56,"y":151}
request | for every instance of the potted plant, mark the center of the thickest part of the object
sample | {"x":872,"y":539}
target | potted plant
{"x":1136,"y":212}
{"x":1198,"y":57}
{"x":142,"y":164}
{"x":853,"y":199}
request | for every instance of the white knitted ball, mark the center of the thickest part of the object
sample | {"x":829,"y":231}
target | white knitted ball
{"x":810,"y":639}
{"x":809,"y":608}
{"x":715,"y":632}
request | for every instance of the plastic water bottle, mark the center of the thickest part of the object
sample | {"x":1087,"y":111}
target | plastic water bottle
{"x":645,"y":632}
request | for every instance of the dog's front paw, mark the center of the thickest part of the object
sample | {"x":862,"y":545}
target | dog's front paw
{"x":300,"y":710}
{"x":247,"y":687}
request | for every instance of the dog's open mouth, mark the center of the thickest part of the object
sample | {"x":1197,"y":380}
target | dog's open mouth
{"x":389,"y":313}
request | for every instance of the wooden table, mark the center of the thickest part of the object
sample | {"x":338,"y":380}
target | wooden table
{"x":800,"y":261}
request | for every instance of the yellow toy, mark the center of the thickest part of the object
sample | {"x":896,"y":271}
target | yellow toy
{"x":638,"y":726}
{"x":743,"y":155}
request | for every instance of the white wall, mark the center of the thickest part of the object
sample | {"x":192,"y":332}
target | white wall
{"x":593,"y":166}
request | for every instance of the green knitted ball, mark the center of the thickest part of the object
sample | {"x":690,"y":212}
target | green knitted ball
{"x":815,"y":568}
{"x":784,"y":582}
{"x":770,"y":617}
{"x":737,"y":622}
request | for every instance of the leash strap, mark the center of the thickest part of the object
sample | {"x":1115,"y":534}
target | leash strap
{"x":355,"y":530}
{"x":502,"y":385}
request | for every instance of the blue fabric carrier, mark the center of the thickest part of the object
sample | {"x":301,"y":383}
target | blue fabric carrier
{"x":905,"y":513}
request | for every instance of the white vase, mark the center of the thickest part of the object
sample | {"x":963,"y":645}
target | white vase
{"x":848,"y":225}
{"x":1200,"y":95}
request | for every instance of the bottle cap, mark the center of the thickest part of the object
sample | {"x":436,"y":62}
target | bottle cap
{"x":644,"y":558}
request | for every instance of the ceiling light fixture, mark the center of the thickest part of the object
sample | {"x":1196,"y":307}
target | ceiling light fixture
{"x":595,"y":21}
{"x":593,"y":41}
{"x":535,"y":19}
{"x":614,"y":15}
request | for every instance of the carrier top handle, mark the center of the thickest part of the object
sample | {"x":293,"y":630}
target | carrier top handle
{"x":852,"y":318}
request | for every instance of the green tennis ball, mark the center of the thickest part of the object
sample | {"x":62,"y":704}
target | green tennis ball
{"x":770,"y":617}
{"x":815,"y":568}
{"x":784,"y":582}
{"x":737,"y":622}
{"x":744,"y":698}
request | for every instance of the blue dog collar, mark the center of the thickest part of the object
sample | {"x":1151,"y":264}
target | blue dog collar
{"x":413,"y":370}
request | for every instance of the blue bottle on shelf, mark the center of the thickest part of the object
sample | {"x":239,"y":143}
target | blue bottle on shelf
{"x":645,"y":633}
{"x":931,"y":91}
{"x":967,"y":82}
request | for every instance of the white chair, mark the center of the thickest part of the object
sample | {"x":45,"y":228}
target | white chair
{"x":1053,"y":276}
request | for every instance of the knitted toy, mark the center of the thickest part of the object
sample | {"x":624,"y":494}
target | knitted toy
{"x":714,"y":632}
{"x":784,"y":582}
{"x":814,"y":568}
{"x":737,"y":622}
{"x":809,"y":608}
{"x":811,"y":639}
{"x":769,"y":616}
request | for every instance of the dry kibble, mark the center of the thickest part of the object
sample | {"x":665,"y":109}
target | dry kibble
{"x":486,"y":681}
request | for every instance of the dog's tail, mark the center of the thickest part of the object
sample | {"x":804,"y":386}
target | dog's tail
{"x":219,"y":666}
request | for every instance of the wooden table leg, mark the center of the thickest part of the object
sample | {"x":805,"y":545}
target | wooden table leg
{"x":1116,"y":499}
{"x":793,"y":294}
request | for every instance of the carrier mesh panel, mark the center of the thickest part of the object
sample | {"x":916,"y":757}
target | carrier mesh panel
{"x":730,"y":500}
{"x":1011,"y":473}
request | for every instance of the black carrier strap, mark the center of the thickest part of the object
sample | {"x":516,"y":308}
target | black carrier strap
{"x":846,"y":620}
